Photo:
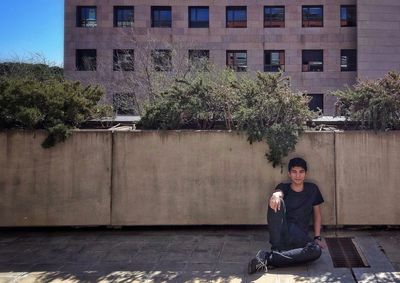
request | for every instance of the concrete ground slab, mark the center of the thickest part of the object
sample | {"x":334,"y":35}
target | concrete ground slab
{"x":380,"y":270}
{"x":200,"y":254}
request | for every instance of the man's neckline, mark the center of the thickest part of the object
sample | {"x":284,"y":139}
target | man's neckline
{"x":302,"y":189}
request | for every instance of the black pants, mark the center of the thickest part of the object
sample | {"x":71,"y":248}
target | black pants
{"x":289,"y":244}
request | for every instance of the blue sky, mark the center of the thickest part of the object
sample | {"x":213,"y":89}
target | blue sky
{"x":32,"y":26}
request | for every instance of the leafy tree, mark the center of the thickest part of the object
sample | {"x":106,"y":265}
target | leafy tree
{"x":199,"y":101}
{"x":264,"y":107}
{"x":375,"y":104}
{"x":270,"y":110}
{"x":54,"y":105}
{"x":38,"y":71}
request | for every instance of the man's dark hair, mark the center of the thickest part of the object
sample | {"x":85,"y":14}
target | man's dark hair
{"x":297,"y":162}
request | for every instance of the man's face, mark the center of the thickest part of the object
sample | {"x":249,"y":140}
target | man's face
{"x":297,"y":175}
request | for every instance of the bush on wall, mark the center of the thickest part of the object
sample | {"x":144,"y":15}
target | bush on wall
{"x":270,"y":110}
{"x":54,"y":105}
{"x":375,"y":104}
{"x":198,"y":102}
{"x":264,"y":107}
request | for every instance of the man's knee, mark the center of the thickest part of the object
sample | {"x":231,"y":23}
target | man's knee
{"x":313,"y":251}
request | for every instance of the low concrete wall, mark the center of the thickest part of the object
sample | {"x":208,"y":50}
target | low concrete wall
{"x":368,"y":178}
{"x":68,"y":184}
{"x":188,"y":177}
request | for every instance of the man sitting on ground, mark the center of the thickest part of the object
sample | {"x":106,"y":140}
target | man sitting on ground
{"x":290,"y":209}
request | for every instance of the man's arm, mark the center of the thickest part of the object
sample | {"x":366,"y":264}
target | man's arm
{"x":317,"y":224}
{"x":275,"y":200}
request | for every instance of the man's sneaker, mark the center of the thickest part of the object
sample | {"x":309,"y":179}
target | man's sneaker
{"x":257,"y":263}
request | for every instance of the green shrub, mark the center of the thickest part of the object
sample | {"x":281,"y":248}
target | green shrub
{"x":374,"y":104}
{"x":270,"y":110}
{"x":54,"y":105}
{"x":40,"y":72}
{"x":197,"y":102}
{"x":265,"y":108}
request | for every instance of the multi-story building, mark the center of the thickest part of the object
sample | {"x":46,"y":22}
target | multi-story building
{"x":322,"y":45}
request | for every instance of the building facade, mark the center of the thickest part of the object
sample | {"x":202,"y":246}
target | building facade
{"x":322,"y":45}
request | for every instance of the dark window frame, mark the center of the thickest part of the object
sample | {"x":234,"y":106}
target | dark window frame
{"x":122,"y":23}
{"x":235,"y":23}
{"x":315,"y":65}
{"x":305,"y":23}
{"x":270,"y":23}
{"x":119,"y":65}
{"x":164,"y":63}
{"x":317,"y":101}
{"x":274,"y":67}
{"x":201,"y":54}
{"x":82,"y":21}
{"x":158,"y":23}
{"x":351,"y":60}
{"x":194,"y":23}
{"x":236,"y":67}
{"x":80,"y":64}
{"x":346,"y":22}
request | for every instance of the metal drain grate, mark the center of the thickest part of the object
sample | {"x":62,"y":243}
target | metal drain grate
{"x":345,"y":253}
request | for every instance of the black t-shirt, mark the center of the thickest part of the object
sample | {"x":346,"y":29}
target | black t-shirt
{"x":299,"y":205}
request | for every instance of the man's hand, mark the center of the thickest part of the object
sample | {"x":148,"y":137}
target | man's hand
{"x":321,"y":244}
{"x":275,"y":201}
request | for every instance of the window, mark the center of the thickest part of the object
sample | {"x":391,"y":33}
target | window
{"x":237,"y":60}
{"x":86,"y":16}
{"x":313,"y":60}
{"x":123,"y":16}
{"x":316,"y":103}
{"x":86,"y":59}
{"x":162,"y":60}
{"x":348,"y":60}
{"x":274,"y":16}
{"x":199,"y":55}
{"x":348,"y":16}
{"x":198,"y":59}
{"x":236,"y":16}
{"x":198,"y":17}
{"x":123,"y":60}
{"x":124,"y":103}
{"x":274,"y":60}
{"x":313,"y":16}
{"x":161,"y":16}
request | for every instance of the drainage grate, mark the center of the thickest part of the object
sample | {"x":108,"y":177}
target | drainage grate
{"x":345,"y":253}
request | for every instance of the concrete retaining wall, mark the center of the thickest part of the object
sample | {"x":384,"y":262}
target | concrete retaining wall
{"x":68,"y":184}
{"x":188,"y":177}
{"x":368,"y":178}
{"x":204,"y":177}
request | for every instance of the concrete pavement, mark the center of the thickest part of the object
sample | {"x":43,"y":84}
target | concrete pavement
{"x":177,"y":254}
